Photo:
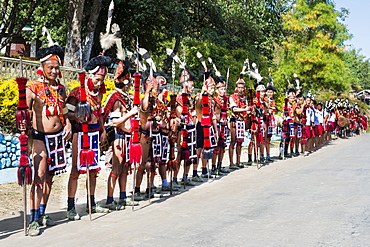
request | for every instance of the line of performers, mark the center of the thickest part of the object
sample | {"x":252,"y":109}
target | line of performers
{"x":157,"y":132}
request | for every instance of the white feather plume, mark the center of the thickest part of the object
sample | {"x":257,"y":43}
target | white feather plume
{"x":254,"y":75}
{"x":217,"y":73}
{"x":145,"y":54}
{"x":171,"y":54}
{"x":46,"y":33}
{"x":200,"y":56}
{"x":245,"y":64}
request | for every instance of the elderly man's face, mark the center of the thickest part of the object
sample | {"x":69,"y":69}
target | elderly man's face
{"x":97,"y":80}
{"x":51,"y":69}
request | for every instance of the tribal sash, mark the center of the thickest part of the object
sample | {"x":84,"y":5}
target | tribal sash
{"x":94,"y":145}
{"x":291,"y":128}
{"x":165,"y":147}
{"x":212,"y":137}
{"x":240,"y":130}
{"x":299,"y":131}
{"x":56,"y":153}
{"x":156,"y":146}
{"x":192,"y":140}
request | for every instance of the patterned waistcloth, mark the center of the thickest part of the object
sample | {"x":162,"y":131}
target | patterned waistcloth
{"x":55,"y":148}
{"x":94,"y":145}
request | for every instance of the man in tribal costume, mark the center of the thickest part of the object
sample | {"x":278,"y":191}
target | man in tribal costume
{"x":257,"y":128}
{"x":95,"y":88}
{"x":287,"y":132}
{"x":319,"y":131}
{"x":220,"y":111}
{"x":46,"y":99}
{"x":154,"y":123}
{"x":269,"y":119}
{"x":186,"y":138}
{"x":308,"y":132}
{"x":240,"y":110}
{"x":206,"y":127}
{"x":119,"y":108}
{"x":297,"y":117}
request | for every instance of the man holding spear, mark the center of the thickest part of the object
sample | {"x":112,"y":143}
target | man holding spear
{"x":84,"y":105}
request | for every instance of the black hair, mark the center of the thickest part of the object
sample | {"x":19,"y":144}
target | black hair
{"x":192,"y":76}
{"x":270,"y":87}
{"x":55,"y":50}
{"x":98,"y":61}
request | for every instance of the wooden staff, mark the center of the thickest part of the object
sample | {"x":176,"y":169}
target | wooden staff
{"x":23,"y":124}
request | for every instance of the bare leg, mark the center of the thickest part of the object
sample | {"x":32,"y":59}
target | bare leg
{"x":72,"y":182}
{"x":232,"y":144}
{"x":238,"y":152}
{"x":40,"y":167}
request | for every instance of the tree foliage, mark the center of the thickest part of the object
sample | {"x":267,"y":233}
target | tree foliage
{"x":14,"y":15}
{"x":314,"y":47}
{"x":359,"y":68}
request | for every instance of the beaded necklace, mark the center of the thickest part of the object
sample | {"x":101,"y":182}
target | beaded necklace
{"x":93,"y":100}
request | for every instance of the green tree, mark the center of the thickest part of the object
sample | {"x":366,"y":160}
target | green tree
{"x":359,"y":68}
{"x":14,"y":15}
{"x":314,"y":48}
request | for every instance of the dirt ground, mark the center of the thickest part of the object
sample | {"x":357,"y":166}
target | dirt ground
{"x":11,"y":194}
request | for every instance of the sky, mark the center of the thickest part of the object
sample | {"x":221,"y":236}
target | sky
{"x":358,"y":23}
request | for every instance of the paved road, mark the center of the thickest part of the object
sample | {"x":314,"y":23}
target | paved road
{"x":320,"y":200}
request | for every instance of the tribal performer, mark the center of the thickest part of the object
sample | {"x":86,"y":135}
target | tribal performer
{"x":149,"y":128}
{"x":220,"y":112}
{"x":186,"y":141}
{"x":119,"y":108}
{"x":319,"y":131}
{"x":257,"y":129}
{"x":287,"y":132}
{"x":46,"y":99}
{"x":307,"y":121}
{"x":240,"y":110}
{"x":92,"y":110}
{"x":269,"y":119}
{"x":160,"y":143}
{"x":206,"y":125}
{"x":298,"y":128}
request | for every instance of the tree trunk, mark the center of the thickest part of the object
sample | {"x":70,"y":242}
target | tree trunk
{"x":13,"y":22}
{"x":73,"y":53}
{"x":90,"y":30}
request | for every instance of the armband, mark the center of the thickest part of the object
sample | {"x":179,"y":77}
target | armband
{"x":70,"y":107}
{"x":115,"y":115}
{"x":65,"y":110}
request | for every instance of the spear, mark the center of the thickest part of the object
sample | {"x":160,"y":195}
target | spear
{"x":135,"y":145}
{"x":206,"y":121}
{"x":173,"y":75}
{"x":227,"y":78}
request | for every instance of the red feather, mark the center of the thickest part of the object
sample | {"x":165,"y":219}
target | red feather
{"x":206,"y":120}
{"x":135,"y":153}
{"x":87,"y":157}
{"x":28,"y":175}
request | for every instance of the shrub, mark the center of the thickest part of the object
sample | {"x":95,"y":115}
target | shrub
{"x":8,"y":105}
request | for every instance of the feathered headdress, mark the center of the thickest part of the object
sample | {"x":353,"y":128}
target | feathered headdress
{"x":52,"y":52}
{"x":255,"y":74}
{"x":297,"y":81}
{"x":172,"y":55}
{"x":108,"y":39}
{"x":122,"y":72}
{"x":98,"y":65}
{"x":290,"y":91}
{"x":145,"y":54}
